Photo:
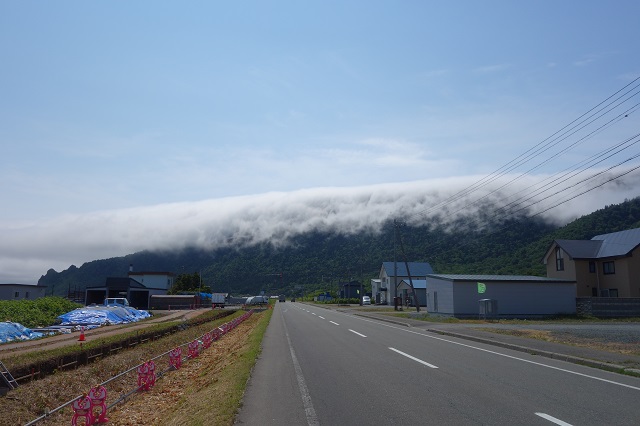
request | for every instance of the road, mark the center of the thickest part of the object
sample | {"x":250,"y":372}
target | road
{"x":324,"y":367}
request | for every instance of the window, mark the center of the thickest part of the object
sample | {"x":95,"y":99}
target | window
{"x":26,"y":295}
{"x":613,"y":292}
{"x":559,"y":260}
{"x":594,"y":292}
{"x":608,"y":268}
{"x":592,"y":266}
{"x":16,"y":294}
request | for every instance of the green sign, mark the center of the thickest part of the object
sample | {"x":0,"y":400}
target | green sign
{"x":481,"y":288}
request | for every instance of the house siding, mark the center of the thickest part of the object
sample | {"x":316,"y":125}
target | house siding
{"x":515,"y":299}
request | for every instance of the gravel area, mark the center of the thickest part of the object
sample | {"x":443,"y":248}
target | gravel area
{"x":628,"y":333}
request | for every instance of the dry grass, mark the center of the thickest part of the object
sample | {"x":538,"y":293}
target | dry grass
{"x":186,"y":396}
{"x":549,"y":336}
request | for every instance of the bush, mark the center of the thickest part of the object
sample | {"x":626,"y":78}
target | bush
{"x":35,"y":313}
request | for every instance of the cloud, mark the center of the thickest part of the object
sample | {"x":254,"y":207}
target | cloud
{"x":492,"y":68}
{"x":30,"y":249}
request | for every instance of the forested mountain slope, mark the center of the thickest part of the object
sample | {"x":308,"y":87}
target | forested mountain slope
{"x":319,"y":260}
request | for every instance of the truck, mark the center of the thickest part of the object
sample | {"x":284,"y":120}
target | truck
{"x":116,"y":301}
{"x":281,"y":298}
{"x":218,"y":299}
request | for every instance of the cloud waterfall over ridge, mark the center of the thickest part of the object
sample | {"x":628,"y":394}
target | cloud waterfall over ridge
{"x":30,"y":250}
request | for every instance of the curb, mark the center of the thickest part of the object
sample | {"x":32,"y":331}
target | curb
{"x":553,"y":355}
{"x":392,"y":321}
{"x":615,"y":368}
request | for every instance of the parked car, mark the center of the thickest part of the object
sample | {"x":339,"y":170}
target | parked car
{"x":366,"y":300}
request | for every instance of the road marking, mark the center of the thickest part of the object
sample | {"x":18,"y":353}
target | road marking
{"x":332,"y":322}
{"x":310,"y":412}
{"x":413,"y":358}
{"x":313,"y":313}
{"x":320,"y":317}
{"x":552,"y":419}
{"x":355,"y":332}
{"x":503,"y":355}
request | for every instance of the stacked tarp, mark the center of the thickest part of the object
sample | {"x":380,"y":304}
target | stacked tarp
{"x":102,"y":315}
{"x":12,"y":331}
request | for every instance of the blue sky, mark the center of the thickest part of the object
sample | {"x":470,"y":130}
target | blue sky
{"x":113,"y":113}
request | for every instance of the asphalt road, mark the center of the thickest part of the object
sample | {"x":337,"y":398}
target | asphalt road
{"x":321,"y":366}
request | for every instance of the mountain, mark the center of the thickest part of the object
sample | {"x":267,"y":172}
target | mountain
{"x":318,"y":260}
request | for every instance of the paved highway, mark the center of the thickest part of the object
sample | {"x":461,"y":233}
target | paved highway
{"x":324,"y":367}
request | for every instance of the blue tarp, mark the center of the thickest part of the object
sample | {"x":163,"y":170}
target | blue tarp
{"x":100,"y":315}
{"x":11,"y":331}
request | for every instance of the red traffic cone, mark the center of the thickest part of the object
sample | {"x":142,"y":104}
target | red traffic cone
{"x":81,"y":339}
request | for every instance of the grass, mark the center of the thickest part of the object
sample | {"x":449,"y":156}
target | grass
{"x":30,"y":399}
{"x":549,"y":336}
{"x":225,"y":393}
{"x":15,"y":362}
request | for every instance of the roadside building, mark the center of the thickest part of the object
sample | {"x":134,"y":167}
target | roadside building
{"x":514,"y":296}
{"x":608,"y":265}
{"x":406,"y":294}
{"x":21,"y":291}
{"x":393,"y":273}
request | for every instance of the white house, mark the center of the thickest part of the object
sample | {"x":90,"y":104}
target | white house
{"x":392,"y":274}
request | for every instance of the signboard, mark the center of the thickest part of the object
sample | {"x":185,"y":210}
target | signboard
{"x":481,"y":288}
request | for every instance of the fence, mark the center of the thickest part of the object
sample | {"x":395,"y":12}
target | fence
{"x":84,"y":406}
{"x":608,"y":307}
{"x":44,"y":368}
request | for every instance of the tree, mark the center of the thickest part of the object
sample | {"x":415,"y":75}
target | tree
{"x":188,"y":282}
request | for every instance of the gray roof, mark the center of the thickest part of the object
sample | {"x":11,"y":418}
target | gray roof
{"x":417,"y":269}
{"x":616,"y":244}
{"x":416,"y":283}
{"x":478,"y":277}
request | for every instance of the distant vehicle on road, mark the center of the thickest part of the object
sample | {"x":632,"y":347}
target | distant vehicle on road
{"x":293,"y":299}
{"x":366,"y":300}
{"x":281,"y":298}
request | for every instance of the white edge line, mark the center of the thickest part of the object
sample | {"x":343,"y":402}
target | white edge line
{"x":310,"y":412}
{"x":355,"y":332}
{"x":505,"y":355}
{"x":553,"y":419}
{"x":414,"y":358}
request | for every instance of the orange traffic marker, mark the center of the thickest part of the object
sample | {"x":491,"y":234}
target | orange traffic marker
{"x":81,"y":339}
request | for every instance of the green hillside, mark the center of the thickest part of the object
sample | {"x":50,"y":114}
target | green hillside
{"x":320,"y":260}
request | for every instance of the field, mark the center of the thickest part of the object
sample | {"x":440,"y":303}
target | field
{"x":206,"y":390}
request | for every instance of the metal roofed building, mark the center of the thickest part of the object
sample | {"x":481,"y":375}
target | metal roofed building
{"x":516,"y":296}
{"x":388,"y":283}
{"x":608,"y":265}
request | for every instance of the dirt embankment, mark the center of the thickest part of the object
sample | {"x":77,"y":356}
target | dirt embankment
{"x":157,"y":406}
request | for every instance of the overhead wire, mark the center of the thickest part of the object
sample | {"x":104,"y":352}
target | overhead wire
{"x":573,"y":127}
{"x":586,"y":185}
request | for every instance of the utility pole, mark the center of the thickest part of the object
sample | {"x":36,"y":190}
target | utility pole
{"x":395,"y":263}
{"x":406,"y":264}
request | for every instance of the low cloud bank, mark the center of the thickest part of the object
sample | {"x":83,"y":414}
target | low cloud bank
{"x":28,"y":251}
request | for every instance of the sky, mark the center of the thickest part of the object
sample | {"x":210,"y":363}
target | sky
{"x":127,"y":126}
